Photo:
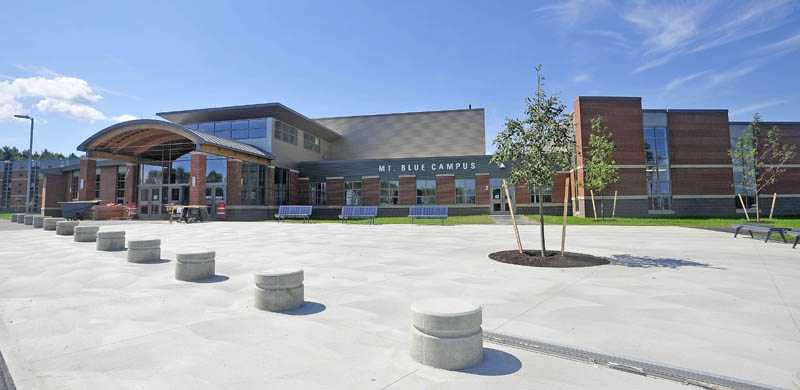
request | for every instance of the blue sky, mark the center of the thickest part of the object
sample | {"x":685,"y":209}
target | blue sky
{"x":80,"y":66}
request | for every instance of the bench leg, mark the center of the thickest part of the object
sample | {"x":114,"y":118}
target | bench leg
{"x":795,"y":241}
{"x":783,"y":237}
{"x":769,"y":233}
{"x":736,"y":233}
{"x":751,"y":234}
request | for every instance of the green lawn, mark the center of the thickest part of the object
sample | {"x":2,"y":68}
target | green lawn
{"x":791,"y":222}
{"x":5,"y":216}
{"x":454,"y":220}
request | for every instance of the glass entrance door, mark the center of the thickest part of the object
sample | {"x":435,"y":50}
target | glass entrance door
{"x":214,"y":194}
{"x":150,"y":201}
{"x":499,"y":204}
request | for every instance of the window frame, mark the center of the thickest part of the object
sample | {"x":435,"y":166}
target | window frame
{"x":390,"y":196}
{"x":426,"y":193}
{"x":352,"y":195}
{"x":281,"y":130}
{"x":465,"y":193}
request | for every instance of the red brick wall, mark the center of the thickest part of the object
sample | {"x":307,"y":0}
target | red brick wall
{"x":445,"y":189}
{"x":197,"y":192}
{"x":702,"y":181}
{"x":233,"y":185}
{"x":303,"y":191}
{"x":482,"y":191}
{"x":108,"y":184}
{"x":559,"y":186}
{"x":131,"y":179}
{"x":698,"y":137}
{"x":408,"y":190}
{"x":293,"y":195}
{"x":53,"y":190}
{"x":371,"y":191}
{"x":87,"y":175}
{"x":789,"y":181}
{"x":790,"y":134}
{"x":334,"y":192}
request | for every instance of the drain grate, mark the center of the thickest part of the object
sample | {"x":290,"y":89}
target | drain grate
{"x":634,"y":366}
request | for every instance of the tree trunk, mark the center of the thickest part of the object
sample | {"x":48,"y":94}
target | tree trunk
{"x":541,"y":220}
{"x":602,"y":207}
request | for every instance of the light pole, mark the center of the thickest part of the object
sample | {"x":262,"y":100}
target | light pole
{"x":30,"y":166}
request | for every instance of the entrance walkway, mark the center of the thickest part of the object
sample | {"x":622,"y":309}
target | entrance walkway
{"x":506,"y":220}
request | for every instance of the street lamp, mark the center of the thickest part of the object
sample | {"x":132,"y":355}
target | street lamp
{"x":30,"y":165}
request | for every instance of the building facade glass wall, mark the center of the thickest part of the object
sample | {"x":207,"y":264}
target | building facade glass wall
{"x":281,"y":186}
{"x":465,"y":191}
{"x":352,"y":193}
{"x":657,"y":169}
{"x":390,"y":192}
{"x":426,"y":191}
{"x":318,"y":193}
{"x":239,"y":129}
{"x":253,"y":184}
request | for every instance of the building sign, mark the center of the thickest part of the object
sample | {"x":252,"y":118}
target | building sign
{"x":429,"y":167}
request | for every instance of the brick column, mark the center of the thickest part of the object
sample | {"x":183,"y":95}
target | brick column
{"x":270,"y":186}
{"x":52,"y":193}
{"x":482,"y":191}
{"x":197,"y":182}
{"x":131,"y":178}
{"x":108,"y":184}
{"x":302,"y":191}
{"x":87,"y":178}
{"x":233,"y":186}
{"x":334,"y":191}
{"x":445,"y":188}
{"x":408,"y":189}
{"x":294,"y":175}
{"x":371,"y":190}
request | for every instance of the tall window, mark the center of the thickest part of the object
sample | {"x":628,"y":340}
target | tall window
{"x":73,"y":192}
{"x":465,"y":191}
{"x":97,"y":184}
{"x":657,"y":168}
{"x":5,"y":196}
{"x":318,"y":193}
{"x":253,"y":181}
{"x":285,"y":132}
{"x":390,"y":192}
{"x":216,"y":169}
{"x":122,"y":171}
{"x":352,"y":193}
{"x":547,"y":195}
{"x":426,"y":191}
{"x":240,"y":129}
{"x":310,"y":142}
{"x":281,"y":186}
{"x":739,"y":185}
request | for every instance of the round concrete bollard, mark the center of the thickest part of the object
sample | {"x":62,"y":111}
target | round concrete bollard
{"x":38,"y":221}
{"x":14,"y":217}
{"x":50,"y":223}
{"x":110,"y":241}
{"x":27,"y":219}
{"x":446,"y":333}
{"x":86,"y":233}
{"x":141,"y":251}
{"x":279,"y":290}
{"x":66,"y":228}
{"x":194,"y":265}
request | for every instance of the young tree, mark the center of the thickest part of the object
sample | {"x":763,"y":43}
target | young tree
{"x":537,"y":146}
{"x":599,"y":171}
{"x":762,"y":159}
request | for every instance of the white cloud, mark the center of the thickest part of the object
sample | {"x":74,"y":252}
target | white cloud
{"x":580,"y":78}
{"x":124,"y":118}
{"x":755,"y":107}
{"x":788,"y":44}
{"x":40,"y":70}
{"x":684,"y":79}
{"x":69,"y":96}
{"x":571,"y":12}
{"x":732,"y":74}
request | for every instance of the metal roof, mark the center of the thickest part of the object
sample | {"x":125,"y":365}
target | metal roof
{"x":252,"y":111}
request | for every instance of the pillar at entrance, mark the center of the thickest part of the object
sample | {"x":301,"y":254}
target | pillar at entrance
{"x":294,"y":176}
{"x":233,"y":190}
{"x":87,"y":178}
{"x":197,"y":184}
{"x":131,"y":178}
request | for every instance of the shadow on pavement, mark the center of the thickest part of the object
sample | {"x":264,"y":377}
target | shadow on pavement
{"x":307,"y":309}
{"x":214,"y":279}
{"x":495,"y":363}
{"x":628,"y":260}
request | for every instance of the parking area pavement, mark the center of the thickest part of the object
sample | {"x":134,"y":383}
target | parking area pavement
{"x":72,"y":317}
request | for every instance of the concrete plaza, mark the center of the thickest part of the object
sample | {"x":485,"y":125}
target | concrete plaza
{"x":73,"y":318}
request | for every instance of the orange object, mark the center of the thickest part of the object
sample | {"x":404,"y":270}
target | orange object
{"x":132,"y":210}
{"x":220,"y":210}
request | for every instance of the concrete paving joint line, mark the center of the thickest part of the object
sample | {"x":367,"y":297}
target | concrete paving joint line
{"x":634,"y":366}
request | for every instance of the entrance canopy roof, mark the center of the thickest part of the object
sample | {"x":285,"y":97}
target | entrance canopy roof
{"x":141,"y":138}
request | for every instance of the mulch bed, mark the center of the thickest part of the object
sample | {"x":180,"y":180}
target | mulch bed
{"x":553,"y":259}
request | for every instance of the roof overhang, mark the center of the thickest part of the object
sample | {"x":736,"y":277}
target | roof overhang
{"x":252,"y":111}
{"x":136,"y":140}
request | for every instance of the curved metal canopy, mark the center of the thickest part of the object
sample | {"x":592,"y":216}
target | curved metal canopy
{"x":148,"y":139}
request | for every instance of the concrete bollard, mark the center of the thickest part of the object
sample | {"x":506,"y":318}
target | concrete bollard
{"x":29,"y":219}
{"x":21,"y":219}
{"x":110,"y":241}
{"x":86,"y":233}
{"x":14,"y":217}
{"x":66,"y":228}
{"x":446,"y":333}
{"x":38,"y":221}
{"x":279,"y":290}
{"x":194,"y":265}
{"x":50,"y":223}
{"x":141,"y":251}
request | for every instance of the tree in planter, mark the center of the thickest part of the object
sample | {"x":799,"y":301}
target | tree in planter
{"x":599,"y":171}
{"x":762,"y":159}
{"x":538,"y":146}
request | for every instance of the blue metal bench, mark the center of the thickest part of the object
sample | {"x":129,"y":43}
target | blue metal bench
{"x":427,"y":212}
{"x":750,"y":228}
{"x":796,"y":235}
{"x":297,"y":212}
{"x":359,"y":212}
